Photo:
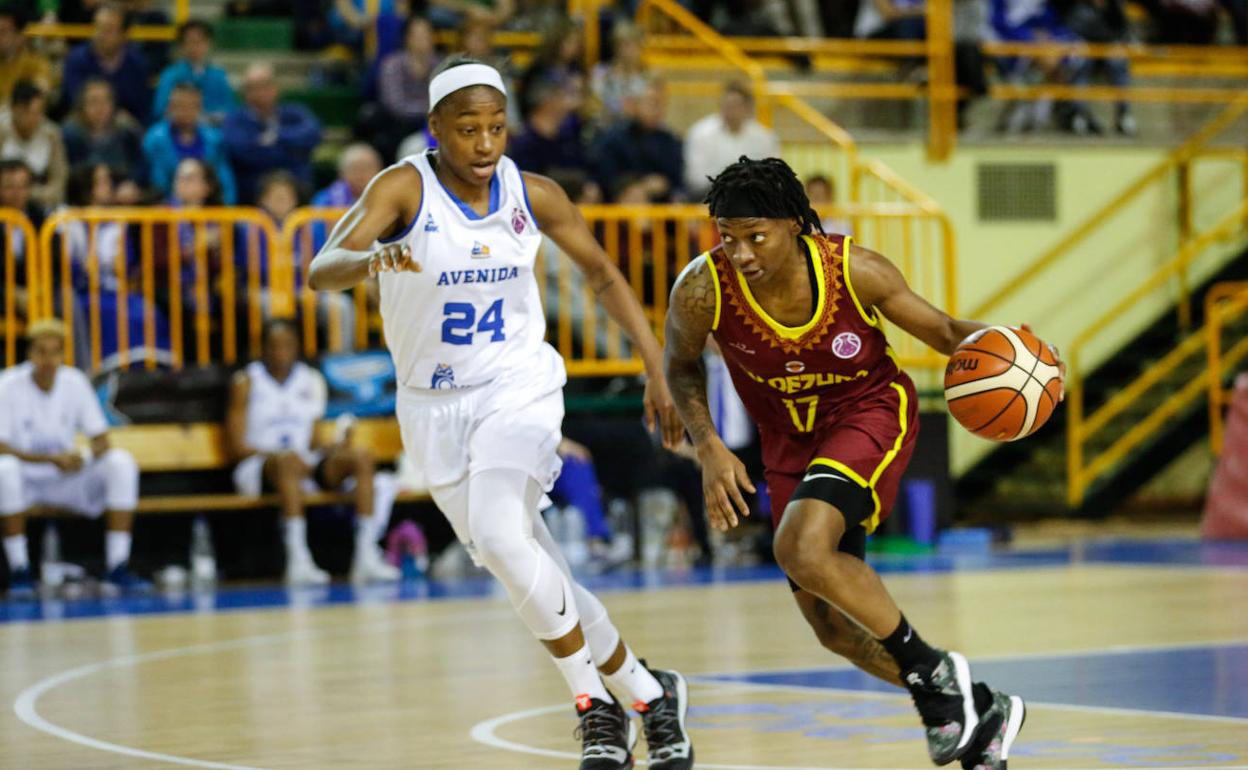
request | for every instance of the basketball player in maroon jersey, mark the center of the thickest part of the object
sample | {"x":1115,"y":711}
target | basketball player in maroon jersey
{"x":796,"y":314}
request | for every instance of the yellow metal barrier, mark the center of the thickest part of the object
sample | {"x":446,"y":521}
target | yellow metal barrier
{"x":1224,"y":302}
{"x":345,"y":316}
{"x":23,"y":299}
{"x":186,"y":265}
{"x":181,"y":12}
{"x":1083,"y":472}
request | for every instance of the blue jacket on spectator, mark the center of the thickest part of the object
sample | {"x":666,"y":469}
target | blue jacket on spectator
{"x":211,"y":81}
{"x":628,"y":150}
{"x":164,"y":152}
{"x":129,"y":80}
{"x":256,"y":148}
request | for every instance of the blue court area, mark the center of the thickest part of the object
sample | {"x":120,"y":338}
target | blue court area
{"x":1178,"y":553}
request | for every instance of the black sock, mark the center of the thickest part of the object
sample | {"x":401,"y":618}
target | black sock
{"x":983,"y":698}
{"x":909,"y":649}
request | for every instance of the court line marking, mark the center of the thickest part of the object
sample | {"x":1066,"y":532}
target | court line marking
{"x":484,"y":732}
{"x":25,"y":706}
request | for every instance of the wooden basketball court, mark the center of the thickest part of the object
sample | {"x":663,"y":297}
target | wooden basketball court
{"x":1131,"y":655}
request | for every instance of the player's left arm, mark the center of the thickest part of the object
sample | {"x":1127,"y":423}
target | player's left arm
{"x":560,"y":219}
{"x":880,"y":285}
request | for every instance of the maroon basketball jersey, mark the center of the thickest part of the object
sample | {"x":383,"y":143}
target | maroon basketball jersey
{"x":795,"y":380}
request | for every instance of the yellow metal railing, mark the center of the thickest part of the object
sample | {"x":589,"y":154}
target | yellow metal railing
{"x":1083,"y":471}
{"x":181,"y":12}
{"x":343,"y":314}
{"x":186,"y":266}
{"x":22,"y":300}
{"x":1225,"y":302}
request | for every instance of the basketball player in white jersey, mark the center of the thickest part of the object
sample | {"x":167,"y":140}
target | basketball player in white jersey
{"x":44,"y":406}
{"x":454,"y":234}
{"x":270,"y":425}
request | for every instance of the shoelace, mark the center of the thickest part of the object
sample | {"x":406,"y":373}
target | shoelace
{"x":662,"y":725}
{"x":599,"y":726}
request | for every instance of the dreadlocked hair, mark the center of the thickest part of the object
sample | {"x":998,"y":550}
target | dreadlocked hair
{"x":770,"y":188}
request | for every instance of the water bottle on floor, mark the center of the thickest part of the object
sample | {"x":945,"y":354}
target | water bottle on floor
{"x":203,"y":559}
{"x":50,"y":571}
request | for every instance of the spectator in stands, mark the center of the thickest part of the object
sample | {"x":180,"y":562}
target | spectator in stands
{"x":476,"y":39}
{"x":625,"y":76}
{"x":185,"y":134}
{"x":17,"y":60}
{"x":274,"y":405}
{"x":177,"y":246}
{"x":536,"y":15}
{"x":448,"y":14}
{"x":640,"y":153}
{"x":1099,"y":21}
{"x":15,"y":184}
{"x":403,"y":87}
{"x":821,"y":192}
{"x":1032,"y":21}
{"x":752,"y":18}
{"x":26,"y":133}
{"x":577,"y":487}
{"x":110,"y":56}
{"x":264,"y":136}
{"x":557,"y":60}
{"x":891,"y":20}
{"x":44,"y":407}
{"x":357,"y":166}
{"x":195,"y":39}
{"x":718,"y":140}
{"x":551,"y":139}
{"x":96,"y":132}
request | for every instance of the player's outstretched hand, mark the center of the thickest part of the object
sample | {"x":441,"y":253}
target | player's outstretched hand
{"x":661,"y":411}
{"x":392,"y":258}
{"x":723,"y":478}
{"x":1061,"y":365}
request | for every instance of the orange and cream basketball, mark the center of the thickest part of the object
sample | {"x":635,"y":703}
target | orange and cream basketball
{"x":1002,"y":383}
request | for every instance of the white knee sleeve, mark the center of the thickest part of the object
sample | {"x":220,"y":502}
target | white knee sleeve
{"x":121,"y":480}
{"x":500,"y":528}
{"x":600,"y":633}
{"x":12,"y":496}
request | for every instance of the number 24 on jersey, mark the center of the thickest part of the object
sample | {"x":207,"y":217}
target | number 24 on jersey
{"x":461,"y":317}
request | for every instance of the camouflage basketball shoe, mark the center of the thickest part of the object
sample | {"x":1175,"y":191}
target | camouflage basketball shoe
{"x":944,"y":700}
{"x":663,"y":720}
{"x":607,"y":735}
{"x":1002,"y":723}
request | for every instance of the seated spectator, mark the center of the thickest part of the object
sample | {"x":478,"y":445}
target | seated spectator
{"x":551,"y":138}
{"x":821,"y":192}
{"x":1034,"y":21}
{"x":891,"y":20}
{"x":357,"y":166}
{"x":577,"y":487}
{"x":110,"y":56}
{"x":177,"y":246}
{"x":15,"y":184}
{"x":274,"y":405}
{"x":557,"y":60}
{"x":279,"y":196}
{"x":264,"y":136}
{"x":350,"y":19}
{"x":403,"y":87}
{"x":640,"y":152}
{"x":184,"y":134}
{"x":27,"y":134}
{"x":1099,"y":21}
{"x":448,"y":14}
{"x":44,"y":407}
{"x":96,"y":132}
{"x":195,"y":39}
{"x":536,"y":15}
{"x":718,"y":140}
{"x":624,"y":76}
{"x":17,"y":60}
{"x":476,"y":40}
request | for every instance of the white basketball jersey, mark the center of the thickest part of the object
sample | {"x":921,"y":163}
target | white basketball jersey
{"x":282,"y":415}
{"x":473,"y":312}
{"x":48,"y":422}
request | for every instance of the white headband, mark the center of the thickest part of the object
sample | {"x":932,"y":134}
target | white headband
{"x":463,"y":76}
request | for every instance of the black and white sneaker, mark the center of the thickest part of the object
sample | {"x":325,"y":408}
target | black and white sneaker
{"x":946,"y":703}
{"x":663,"y":720}
{"x":607,"y":735}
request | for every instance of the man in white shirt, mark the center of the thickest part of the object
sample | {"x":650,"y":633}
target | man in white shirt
{"x":44,"y":406}
{"x":270,"y":425}
{"x":718,"y":140}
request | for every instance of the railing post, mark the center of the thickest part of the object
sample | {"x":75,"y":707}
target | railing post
{"x":1213,"y":349}
{"x":1074,"y":432}
{"x":942,"y":96}
{"x":593,"y":39}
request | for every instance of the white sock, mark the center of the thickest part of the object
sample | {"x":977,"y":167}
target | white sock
{"x":366,"y":530}
{"x":634,"y":679}
{"x":116,"y":548}
{"x":15,"y":550}
{"x":581,"y":675}
{"x":297,"y":539}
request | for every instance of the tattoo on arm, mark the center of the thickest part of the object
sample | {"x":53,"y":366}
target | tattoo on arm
{"x":689,"y":320}
{"x":604,"y":285}
{"x":852,"y":641}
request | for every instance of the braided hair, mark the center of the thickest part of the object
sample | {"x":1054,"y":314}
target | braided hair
{"x":766,"y":189}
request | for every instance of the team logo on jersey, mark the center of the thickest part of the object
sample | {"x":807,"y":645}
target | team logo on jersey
{"x":430,"y":225}
{"x":795,"y":367}
{"x":480,"y":250}
{"x":443,"y":377}
{"x":518,"y":220}
{"x":846,"y":345}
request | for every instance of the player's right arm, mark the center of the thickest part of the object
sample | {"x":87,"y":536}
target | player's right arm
{"x":690,"y":315}
{"x":389,"y":202}
{"x":236,"y":417}
{"x":8,"y":429}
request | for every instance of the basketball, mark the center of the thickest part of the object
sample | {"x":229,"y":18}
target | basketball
{"x":1002,"y":383}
